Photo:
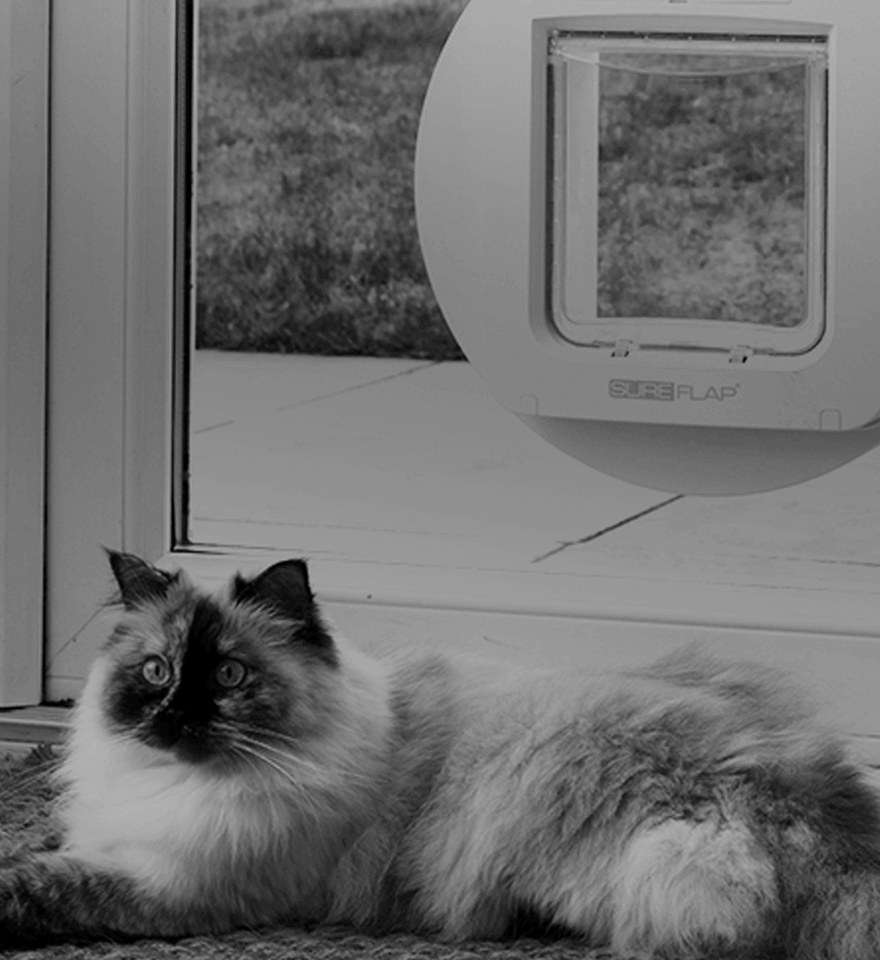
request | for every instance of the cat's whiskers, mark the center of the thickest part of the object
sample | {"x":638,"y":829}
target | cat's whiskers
{"x":305,"y":781}
{"x":316,"y":775}
{"x":258,"y":769}
{"x":263,"y":736}
{"x":24,"y":780}
{"x":303,"y":797}
{"x":236,"y":737}
{"x":292,"y":770}
{"x":304,"y":763}
{"x":246,"y":735}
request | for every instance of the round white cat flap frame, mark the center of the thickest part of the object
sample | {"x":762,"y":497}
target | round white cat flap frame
{"x":654,"y":228}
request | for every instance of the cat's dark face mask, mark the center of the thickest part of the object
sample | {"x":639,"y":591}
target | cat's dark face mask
{"x":214,"y":680}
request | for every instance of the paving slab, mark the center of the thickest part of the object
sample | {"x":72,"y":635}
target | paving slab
{"x":366,"y":458}
{"x":413,"y":463}
{"x":229,"y":388}
{"x":825,"y":532}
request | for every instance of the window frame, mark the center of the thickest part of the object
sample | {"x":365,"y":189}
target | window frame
{"x":111,"y":295}
{"x":118,"y":397}
{"x":24,"y":46}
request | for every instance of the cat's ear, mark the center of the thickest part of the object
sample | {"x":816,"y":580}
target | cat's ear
{"x":139,"y":582}
{"x":283,"y":587}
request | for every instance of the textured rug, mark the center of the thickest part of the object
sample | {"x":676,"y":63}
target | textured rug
{"x":25,"y":820}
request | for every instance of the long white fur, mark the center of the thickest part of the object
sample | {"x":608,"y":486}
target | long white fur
{"x":680,"y":886}
{"x":484,"y":841}
{"x":179,"y":831}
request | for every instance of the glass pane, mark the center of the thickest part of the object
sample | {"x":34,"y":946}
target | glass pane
{"x":332,"y":412}
{"x":306,"y":226}
{"x":703,"y":177}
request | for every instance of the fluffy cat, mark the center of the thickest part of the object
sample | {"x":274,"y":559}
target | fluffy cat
{"x":233,"y":763}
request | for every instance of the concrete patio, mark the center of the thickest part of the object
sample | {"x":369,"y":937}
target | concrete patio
{"x":412,"y":462}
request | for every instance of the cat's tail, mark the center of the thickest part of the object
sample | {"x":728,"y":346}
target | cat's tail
{"x":839,"y":921}
{"x":830,"y":871}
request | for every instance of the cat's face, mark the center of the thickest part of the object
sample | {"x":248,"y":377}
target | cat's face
{"x":223,"y":681}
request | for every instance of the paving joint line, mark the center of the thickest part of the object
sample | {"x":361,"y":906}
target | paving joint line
{"x":609,"y":529}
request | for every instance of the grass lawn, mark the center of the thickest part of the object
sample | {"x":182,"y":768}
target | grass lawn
{"x":306,"y":222}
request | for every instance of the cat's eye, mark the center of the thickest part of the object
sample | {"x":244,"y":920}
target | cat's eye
{"x":229,"y":673}
{"x":156,"y":671}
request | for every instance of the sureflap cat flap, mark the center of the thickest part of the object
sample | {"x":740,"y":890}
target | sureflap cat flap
{"x":681,"y":197}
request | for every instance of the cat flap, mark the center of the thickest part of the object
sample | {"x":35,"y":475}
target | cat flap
{"x":284,"y":587}
{"x":653,"y":228}
{"x":139,"y":582}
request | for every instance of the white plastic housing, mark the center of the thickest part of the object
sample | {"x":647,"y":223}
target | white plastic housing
{"x":507,"y":209}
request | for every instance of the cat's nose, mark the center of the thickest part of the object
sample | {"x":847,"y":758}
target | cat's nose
{"x":171,"y":725}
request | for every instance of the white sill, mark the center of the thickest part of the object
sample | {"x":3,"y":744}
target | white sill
{"x":647,"y":593}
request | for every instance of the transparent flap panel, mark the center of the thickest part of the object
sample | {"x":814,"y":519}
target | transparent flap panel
{"x":688,"y":183}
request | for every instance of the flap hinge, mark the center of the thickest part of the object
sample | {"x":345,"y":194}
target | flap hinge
{"x":622,"y":348}
{"x":739,"y":354}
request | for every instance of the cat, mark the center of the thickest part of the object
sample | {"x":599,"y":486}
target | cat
{"x":234,"y":763}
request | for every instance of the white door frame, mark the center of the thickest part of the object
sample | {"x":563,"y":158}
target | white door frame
{"x":110,"y":304}
{"x":24,"y":46}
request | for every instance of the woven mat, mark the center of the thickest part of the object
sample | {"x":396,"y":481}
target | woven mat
{"x":25,"y":798}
